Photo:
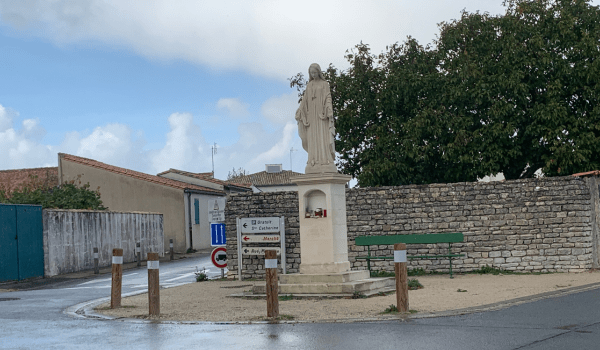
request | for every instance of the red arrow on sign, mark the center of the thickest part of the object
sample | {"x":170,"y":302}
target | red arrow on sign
{"x":246,"y":238}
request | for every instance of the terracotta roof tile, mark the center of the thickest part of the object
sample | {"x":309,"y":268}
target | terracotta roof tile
{"x":266,"y":179}
{"x":136,"y":174}
{"x":204,"y":176}
{"x":11,"y":180}
{"x":588,"y":173}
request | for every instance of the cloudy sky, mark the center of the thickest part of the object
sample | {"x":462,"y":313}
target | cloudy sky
{"x":153,"y":85}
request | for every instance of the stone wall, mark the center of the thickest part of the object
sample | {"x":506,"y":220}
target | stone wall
{"x":264,"y":204}
{"x":543,"y":225}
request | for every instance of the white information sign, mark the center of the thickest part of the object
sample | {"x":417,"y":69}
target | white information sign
{"x":216,"y":210}
{"x":261,"y":238}
{"x":260,"y":225}
{"x":259,"y":250}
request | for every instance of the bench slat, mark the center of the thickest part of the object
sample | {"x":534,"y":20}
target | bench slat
{"x":429,"y":238}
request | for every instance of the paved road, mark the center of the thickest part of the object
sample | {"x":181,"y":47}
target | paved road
{"x":38,"y":321}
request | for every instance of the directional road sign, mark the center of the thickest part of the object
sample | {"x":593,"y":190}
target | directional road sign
{"x":259,"y":251}
{"x":219,"y":257}
{"x":260,"y":225}
{"x":217,"y":235}
{"x":260,"y":238}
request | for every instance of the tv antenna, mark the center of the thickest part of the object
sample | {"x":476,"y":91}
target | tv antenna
{"x":213,"y":152}
{"x":291,"y":150}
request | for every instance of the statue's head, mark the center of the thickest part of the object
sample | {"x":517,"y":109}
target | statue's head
{"x":314,"y":72}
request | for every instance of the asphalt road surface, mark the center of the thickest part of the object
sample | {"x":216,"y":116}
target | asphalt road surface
{"x":37,"y":319}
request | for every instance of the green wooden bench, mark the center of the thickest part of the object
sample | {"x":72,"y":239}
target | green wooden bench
{"x":431,"y":238}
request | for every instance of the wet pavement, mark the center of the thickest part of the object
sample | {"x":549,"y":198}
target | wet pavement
{"x":36,"y":319}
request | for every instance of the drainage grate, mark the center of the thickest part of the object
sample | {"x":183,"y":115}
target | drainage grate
{"x":7,"y":299}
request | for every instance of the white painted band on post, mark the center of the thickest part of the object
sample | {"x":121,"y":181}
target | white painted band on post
{"x":137,"y":249}
{"x":170,"y":245}
{"x":95,"y":255}
{"x":270,"y":263}
{"x":399,"y":256}
{"x":152,"y":264}
{"x":117,"y":260}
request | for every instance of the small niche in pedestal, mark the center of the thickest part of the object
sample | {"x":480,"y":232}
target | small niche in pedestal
{"x":315,"y":201}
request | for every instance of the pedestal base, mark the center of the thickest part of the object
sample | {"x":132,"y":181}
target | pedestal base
{"x":334,"y":284}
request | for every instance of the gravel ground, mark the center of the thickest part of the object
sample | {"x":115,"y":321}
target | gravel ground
{"x":211,"y":301}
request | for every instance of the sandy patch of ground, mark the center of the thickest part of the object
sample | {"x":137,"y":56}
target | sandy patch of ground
{"x":210,"y":301}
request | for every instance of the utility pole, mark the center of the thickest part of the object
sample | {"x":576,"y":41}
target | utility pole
{"x":213,"y":152}
{"x":291,"y":150}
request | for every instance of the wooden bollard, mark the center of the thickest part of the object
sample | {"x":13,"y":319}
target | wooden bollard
{"x":138,"y":252}
{"x":153,"y":285}
{"x":272,"y":285}
{"x":117,"y":278}
{"x":96,"y":262}
{"x":171,"y":248}
{"x":401,"y":277}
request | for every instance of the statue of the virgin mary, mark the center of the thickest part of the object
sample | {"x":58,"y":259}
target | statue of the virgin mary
{"x":315,"y":123}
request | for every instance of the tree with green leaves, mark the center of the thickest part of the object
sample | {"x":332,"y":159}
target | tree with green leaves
{"x":510,"y":93}
{"x":67,"y":196}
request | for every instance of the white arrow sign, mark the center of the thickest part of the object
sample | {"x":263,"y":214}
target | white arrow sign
{"x":259,"y":251}
{"x":260,"y":225}
{"x":260,"y":238}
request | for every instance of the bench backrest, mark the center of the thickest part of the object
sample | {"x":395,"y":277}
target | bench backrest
{"x":410,"y":239}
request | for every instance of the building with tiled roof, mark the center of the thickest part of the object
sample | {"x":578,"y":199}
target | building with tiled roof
{"x":11,"y":180}
{"x":124,"y":189}
{"x":206,"y":180}
{"x":273,"y":179}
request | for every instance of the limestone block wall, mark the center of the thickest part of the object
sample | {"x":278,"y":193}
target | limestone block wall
{"x":263,"y":204}
{"x":544,"y":225}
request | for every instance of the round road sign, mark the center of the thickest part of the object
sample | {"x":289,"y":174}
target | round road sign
{"x":219,"y":257}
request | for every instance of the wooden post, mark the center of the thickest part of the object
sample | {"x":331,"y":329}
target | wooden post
{"x":96,"y":257}
{"x":272,"y":284}
{"x":401,"y":277}
{"x":138,"y":252}
{"x":153,"y":285}
{"x":171,"y":248}
{"x":117,"y":277}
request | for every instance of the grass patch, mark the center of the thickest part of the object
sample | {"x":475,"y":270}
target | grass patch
{"x":414,"y":284}
{"x":489,"y":270}
{"x":286,"y":297}
{"x":392,"y":309}
{"x":358,"y":295}
{"x":121,"y":307}
{"x":382,"y":273}
{"x":461,"y":290}
{"x":201,"y":277}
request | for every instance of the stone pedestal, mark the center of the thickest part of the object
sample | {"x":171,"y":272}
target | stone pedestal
{"x":324,"y":267}
{"x":323,"y":235}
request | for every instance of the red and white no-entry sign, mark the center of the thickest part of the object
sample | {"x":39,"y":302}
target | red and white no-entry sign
{"x":219,"y":257}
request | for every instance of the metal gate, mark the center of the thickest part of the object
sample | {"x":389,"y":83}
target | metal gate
{"x":21,"y":242}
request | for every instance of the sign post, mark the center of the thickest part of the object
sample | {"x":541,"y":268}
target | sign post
{"x":260,"y":230}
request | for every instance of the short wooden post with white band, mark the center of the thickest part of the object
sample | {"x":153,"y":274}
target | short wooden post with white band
{"x":117,"y":278}
{"x":96,"y":262}
{"x":153,"y":285}
{"x":171,"y":248}
{"x":272,"y":283}
{"x":138,"y":252}
{"x":401,"y":277}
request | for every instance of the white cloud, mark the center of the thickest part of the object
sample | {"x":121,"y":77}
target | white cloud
{"x":234,"y":106}
{"x":280,"y":109}
{"x":185,"y":147}
{"x":266,"y":38}
{"x":5,"y":119}
{"x":277,"y":151}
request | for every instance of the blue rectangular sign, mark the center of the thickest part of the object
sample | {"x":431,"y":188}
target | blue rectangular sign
{"x":217,"y":235}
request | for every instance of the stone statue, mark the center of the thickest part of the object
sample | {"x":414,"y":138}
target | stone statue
{"x":315,"y":123}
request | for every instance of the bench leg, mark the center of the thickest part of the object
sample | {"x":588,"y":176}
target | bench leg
{"x":450,"y":253}
{"x":369,"y":260}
